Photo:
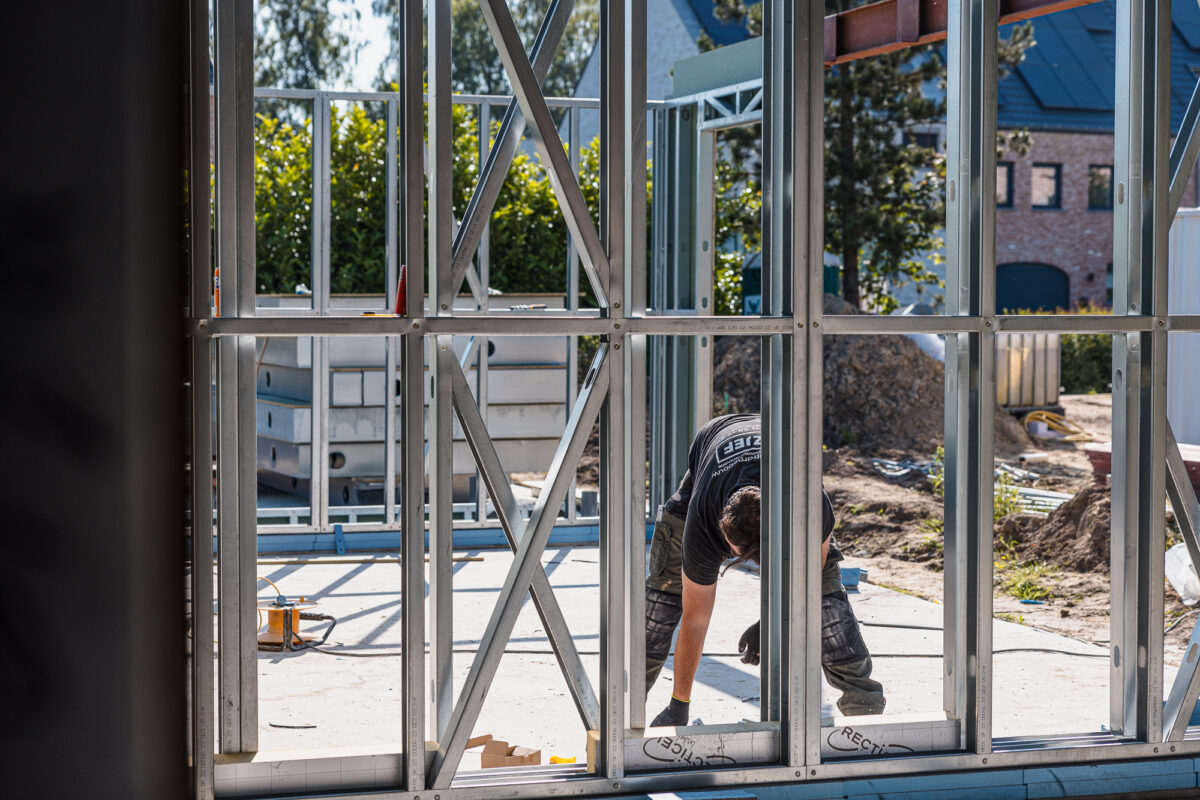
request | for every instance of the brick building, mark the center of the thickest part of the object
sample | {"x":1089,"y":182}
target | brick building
{"x":1054,"y":218}
{"x":1054,"y":222}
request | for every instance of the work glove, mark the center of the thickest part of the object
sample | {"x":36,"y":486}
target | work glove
{"x":748,"y":645}
{"x":674,"y":714}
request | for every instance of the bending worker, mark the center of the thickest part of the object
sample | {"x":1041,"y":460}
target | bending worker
{"x":712,"y":517}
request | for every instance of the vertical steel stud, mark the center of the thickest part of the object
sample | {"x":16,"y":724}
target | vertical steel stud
{"x":441,"y":535}
{"x":970,"y":371}
{"x":1140,"y":225}
{"x":412,"y":422}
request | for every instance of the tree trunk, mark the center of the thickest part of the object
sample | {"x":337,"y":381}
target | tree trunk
{"x":850,"y":271}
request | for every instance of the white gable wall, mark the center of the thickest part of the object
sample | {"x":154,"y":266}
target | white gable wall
{"x":671,"y":32}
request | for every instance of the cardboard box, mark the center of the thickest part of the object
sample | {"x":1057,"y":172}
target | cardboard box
{"x":498,"y":754}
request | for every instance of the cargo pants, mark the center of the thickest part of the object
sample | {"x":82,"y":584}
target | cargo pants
{"x":844,"y":656}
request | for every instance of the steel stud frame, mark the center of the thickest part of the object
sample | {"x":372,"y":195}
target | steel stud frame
{"x":636,"y":325}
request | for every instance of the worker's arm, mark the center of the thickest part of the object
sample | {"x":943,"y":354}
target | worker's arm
{"x":698,"y":602}
{"x":751,"y":642}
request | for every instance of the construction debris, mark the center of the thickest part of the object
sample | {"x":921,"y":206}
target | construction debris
{"x":499,"y":754}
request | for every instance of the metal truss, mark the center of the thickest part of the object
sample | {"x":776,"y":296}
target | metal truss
{"x":673,"y":333}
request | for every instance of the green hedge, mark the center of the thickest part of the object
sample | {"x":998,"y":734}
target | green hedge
{"x":1085,"y":361}
{"x":528,"y":235}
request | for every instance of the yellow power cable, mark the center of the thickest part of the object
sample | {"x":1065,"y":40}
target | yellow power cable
{"x":1071,"y":432}
{"x":273,"y":586}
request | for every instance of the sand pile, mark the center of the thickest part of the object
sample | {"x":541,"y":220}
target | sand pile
{"x":881,"y":392}
{"x":1075,"y":536}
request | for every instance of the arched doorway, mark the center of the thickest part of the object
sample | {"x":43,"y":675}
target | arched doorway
{"x":1033,"y":287}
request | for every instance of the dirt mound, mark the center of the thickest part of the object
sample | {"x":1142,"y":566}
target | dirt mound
{"x":737,"y":375}
{"x":881,"y":392}
{"x":1075,"y":536}
{"x":1010,"y":434}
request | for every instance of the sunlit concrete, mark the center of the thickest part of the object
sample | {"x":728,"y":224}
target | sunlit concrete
{"x":351,"y":701}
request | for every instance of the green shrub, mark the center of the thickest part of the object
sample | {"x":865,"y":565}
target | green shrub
{"x":1006,"y":497}
{"x":1085,"y":362}
{"x":1024,"y":581}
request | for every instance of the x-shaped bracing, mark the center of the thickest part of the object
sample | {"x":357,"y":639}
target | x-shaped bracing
{"x":1186,"y":689}
{"x":1184,"y":151}
{"x":528,"y":541}
{"x":528,"y":104}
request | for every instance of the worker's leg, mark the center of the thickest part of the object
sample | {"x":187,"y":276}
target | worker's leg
{"x":664,"y":592}
{"x":844,"y":655}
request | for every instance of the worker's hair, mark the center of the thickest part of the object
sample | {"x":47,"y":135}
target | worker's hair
{"x":739,"y":523}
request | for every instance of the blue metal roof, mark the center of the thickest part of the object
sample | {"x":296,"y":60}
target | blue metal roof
{"x":722,"y":33}
{"x":1066,"y":81}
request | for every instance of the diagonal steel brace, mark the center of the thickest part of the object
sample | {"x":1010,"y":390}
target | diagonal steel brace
{"x":1184,"y":152}
{"x":504,"y":149}
{"x":1186,"y":688}
{"x":528,"y":95}
{"x":513,"y":523}
{"x":526,"y":561}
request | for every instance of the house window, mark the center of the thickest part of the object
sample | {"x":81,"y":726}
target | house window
{"x":1046,"y":185}
{"x":927,"y":140}
{"x":1100,"y":188}
{"x":1004,"y":184}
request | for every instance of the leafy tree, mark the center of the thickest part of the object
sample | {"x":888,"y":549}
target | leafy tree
{"x":299,"y":44}
{"x":884,"y":205}
{"x":884,"y":194}
{"x":475,"y":63}
{"x":737,"y":215}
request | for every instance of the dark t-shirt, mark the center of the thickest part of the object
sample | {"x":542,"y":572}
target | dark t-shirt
{"x":724,"y":457}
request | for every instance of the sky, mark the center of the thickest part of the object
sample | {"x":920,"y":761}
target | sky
{"x":372,"y":32}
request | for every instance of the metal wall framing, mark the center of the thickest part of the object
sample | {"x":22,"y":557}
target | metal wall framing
{"x":667,"y":320}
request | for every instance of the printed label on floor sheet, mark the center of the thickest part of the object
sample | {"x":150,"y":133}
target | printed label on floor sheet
{"x":849,"y":740}
{"x":685,"y":751}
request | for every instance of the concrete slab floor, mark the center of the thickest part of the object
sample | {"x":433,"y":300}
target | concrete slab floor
{"x":311,"y":700}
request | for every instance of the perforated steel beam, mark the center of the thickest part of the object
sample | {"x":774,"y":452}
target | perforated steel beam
{"x":896,"y":24}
